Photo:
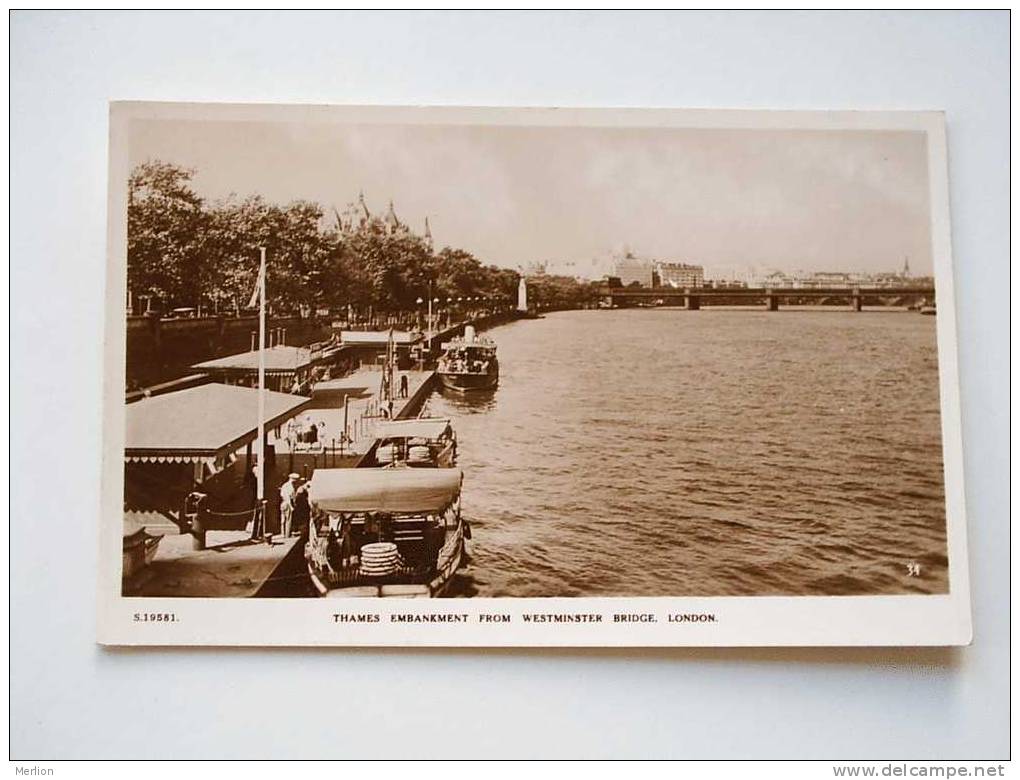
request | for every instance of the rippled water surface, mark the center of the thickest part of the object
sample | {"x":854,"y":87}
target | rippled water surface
{"x":669,"y":453}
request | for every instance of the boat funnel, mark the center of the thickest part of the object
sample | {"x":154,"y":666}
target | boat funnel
{"x":469,"y":334}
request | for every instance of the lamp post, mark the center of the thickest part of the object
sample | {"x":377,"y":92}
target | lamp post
{"x":417,"y":312}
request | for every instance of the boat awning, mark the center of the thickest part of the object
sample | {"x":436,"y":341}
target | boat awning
{"x":377,"y":338}
{"x":278,"y":359}
{"x":384,"y":490}
{"x":201,"y":423}
{"x":423,"y":428}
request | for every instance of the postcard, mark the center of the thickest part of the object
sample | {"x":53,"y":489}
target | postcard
{"x":384,"y":376}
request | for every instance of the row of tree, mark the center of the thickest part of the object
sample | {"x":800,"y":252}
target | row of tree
{"x":185,"y":251}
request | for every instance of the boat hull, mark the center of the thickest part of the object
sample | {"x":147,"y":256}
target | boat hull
{"x":464,"y":383}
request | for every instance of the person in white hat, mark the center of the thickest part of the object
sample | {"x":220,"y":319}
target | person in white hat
{"x":287,"y":493}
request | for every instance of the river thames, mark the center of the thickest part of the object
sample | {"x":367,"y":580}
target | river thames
{"x":654,"y":452}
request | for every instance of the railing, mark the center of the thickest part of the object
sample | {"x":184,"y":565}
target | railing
{"x":345,"y":571}
{"x":750,"y":292}
{"x":199,"y":520}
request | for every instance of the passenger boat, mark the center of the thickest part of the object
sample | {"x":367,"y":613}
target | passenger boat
{"x":385,"y":532}
{"x":423,"y":442}
{"x":928,"y":308}
{"x":469,"y":363}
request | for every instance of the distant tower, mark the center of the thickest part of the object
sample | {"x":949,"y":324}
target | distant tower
{"x":365,"y":214}
{"x":522,"y":295}
{"x":347,"y":220}
{"x":906,"y":267}
{"x":428,"y":233}
{"x":391,"y":219}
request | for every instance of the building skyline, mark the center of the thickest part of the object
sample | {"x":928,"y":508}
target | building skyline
{"x":605,"y":263}
{"x":512,"y":194}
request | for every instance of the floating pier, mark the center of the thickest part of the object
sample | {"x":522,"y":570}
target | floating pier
{"x":229,"y":563}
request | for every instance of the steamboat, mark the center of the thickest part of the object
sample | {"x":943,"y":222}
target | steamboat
{"x":469,"y":363}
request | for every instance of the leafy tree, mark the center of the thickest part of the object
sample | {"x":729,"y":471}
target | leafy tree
{"x":188,"y":252}
{"x":166,"y":225}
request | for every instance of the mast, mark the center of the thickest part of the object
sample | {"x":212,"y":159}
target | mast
{"x":260,"y":442}
{"x":430,"y":316}
{"x":390,"y":361}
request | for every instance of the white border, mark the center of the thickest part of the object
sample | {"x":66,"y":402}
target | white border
{"x":739,"y":621}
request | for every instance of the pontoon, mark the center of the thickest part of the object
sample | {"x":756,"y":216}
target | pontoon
{"x":385,"y":532}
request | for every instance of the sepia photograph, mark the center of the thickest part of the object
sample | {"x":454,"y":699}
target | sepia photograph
{"x":392,"y":354}
{"x":499,"y":384}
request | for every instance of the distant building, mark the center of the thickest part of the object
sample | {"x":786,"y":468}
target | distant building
{"x":631,"y":269}
{"x":826,"y":279}
{"x":725,"y":284}
{"x":814,"y":280}
{"x":680,"y":275}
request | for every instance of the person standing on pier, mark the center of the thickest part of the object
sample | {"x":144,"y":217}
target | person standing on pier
{"x":403,"y":384}
{"x":302,"y":510}
{"x":287,"y":495}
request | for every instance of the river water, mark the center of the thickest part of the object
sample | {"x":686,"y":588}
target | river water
{"x":661,"y":452}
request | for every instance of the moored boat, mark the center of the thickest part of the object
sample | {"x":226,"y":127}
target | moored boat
{"x":385,"y":531}
{"x":421,"y":442}
{"x":469,"y":363}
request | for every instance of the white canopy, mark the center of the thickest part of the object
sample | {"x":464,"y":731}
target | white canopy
{"x":377,"y":338}
{"x":384,"y":490}
{"x":419,"y":428}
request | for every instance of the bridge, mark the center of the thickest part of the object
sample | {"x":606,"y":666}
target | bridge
{"x":693,"y":298}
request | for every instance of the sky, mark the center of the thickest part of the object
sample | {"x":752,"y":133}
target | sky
{"x":828,"y":200}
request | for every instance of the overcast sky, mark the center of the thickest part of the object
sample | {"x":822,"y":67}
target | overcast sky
{"x":817,"y":200}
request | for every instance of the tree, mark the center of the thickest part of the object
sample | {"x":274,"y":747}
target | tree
{"x":560,"y":292}
{"x":296,"y":250}
{"x":166,"y":225}
{"x":188,"y":252}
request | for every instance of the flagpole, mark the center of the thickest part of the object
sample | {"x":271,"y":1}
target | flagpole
{"x":430,"y":315}
{"x":261,"y":449}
